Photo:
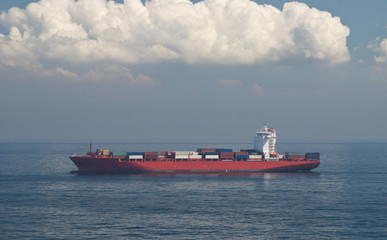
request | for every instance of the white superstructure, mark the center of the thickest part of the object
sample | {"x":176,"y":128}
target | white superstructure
{"x":265,"y":140}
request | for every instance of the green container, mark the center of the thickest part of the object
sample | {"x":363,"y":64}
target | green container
{"x":294,"y":154}
{"x":119,"y":153}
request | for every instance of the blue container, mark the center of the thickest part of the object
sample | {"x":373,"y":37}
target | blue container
{"x":242,"y":156}
{"x":224,"y":150}
{"x":210,"y":153}
{"x":136,"y":153}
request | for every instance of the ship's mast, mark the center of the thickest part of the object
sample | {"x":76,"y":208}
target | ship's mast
{"x":265,"y":140}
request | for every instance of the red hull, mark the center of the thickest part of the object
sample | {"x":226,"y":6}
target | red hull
{"x":89,"y":164}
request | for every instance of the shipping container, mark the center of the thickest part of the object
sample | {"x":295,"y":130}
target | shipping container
{"x":248,"y":150}
{"x":136,"y":153}
{"x":212,"y":157}
{"x":203,"y":150}
{"x":241,"y":154}
{"x":314,"y":156}
{"x":135,"y":156}
{"x":184,"y":152}
{"x":195,"y":153}
{"x":293,"y":153}
{"x":151,"y":154}
{"x":227,"y":154}
{"x":119,"y":153}
{"x":255,"y":156}
{"x":211,"y":153}
{"x":221,"y":150}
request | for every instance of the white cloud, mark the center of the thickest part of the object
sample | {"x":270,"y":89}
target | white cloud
{"x":216,"y":31}
{"x":67,"y":74}
{"x":111,"y":72}
{"x":258,"y":89}
{"x":380,"y":49}
{"x":378,"y":71}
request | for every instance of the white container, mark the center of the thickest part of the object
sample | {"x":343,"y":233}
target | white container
{"x":212,"y":157}
{"x":255,"y":156}
{"x":184,"y":153}
{"x":135,"y":156}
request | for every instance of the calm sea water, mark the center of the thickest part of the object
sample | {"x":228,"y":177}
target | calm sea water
{"x":345,"y":198}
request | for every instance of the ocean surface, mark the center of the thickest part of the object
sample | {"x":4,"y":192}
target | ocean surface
{"x":344,"y":198}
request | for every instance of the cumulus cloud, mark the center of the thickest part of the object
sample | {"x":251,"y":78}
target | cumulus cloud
{"x":215,"y":31}
{"x":378,"y":71}
{"x":379,"y":47}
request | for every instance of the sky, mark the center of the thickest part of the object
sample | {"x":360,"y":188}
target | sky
{"x":202,"y":71}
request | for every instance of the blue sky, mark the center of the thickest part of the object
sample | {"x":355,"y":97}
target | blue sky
{"x":171,"y":71}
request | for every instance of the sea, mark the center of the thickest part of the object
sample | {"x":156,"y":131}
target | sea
{"x":344,"y":198}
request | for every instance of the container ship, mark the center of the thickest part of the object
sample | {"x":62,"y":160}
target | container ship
{"x":262,"y":158}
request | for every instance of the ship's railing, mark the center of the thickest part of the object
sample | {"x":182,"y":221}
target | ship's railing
{"x":306,"y":157}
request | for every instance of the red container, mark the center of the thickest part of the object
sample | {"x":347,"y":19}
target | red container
{"x":227,"y":154}
{"x":241,"y":153}
{"x":151,"y":154}
{"x":208,"y":150}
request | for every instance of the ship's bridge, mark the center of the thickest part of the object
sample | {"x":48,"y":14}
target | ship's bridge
{"x":265,"y":140}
